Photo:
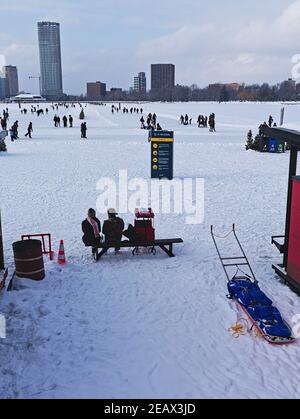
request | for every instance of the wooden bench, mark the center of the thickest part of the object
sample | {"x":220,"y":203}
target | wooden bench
{"x":165,"y":245}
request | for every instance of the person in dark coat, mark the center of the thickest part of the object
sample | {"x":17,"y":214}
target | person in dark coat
{"x":271,"y":120}
{"x":29,"y":130}
{"x":212,"y":123}
{"x":83,"y":130}
{"x":113,"y":228}
{"x":65,"y":121}
{"x":71,"y":121}
{"x":15,"y":129}
{"x":91,"y":228}
{"x":4,"y":123}
{"x":154,"y":119}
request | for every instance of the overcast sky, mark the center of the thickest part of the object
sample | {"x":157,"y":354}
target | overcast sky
{"x":112,"y":40}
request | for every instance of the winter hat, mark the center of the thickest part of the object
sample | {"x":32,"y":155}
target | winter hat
{"x":112,"y":211}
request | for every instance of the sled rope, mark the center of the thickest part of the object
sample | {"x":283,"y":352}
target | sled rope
{"x":240,"y":328}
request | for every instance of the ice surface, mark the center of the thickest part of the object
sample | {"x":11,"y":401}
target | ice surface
{"x":144,"y":327}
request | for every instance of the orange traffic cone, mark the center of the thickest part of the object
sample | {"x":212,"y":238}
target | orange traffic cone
{"x":61,"y":254}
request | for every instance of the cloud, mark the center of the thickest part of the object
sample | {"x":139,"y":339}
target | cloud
{"x":184,"y":40}
{"x":258,"y":50}
{"x":111,"y":40}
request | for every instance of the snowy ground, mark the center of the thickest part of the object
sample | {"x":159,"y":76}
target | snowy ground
{"x":143,"y":327}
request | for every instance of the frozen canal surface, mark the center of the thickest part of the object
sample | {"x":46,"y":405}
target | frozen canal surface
{"x":144,"y":327}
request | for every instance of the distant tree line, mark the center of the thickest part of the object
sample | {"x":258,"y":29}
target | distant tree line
{"x":218,"y":92}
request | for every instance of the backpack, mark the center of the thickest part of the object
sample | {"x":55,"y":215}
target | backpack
{"x":132,"y":235}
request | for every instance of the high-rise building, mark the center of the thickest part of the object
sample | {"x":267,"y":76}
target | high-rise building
{"x":140,"y":83}
{"x":2,"y":88}
{"x":50,"y":60}
{"x":162,"y":76}
{"x":96,"y":91}
{"x":12,"y":82}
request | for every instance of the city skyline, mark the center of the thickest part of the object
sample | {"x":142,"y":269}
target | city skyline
{"x":214,"y":49}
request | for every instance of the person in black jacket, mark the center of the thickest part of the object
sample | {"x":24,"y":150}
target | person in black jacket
{"x":91,"y":228}
{"x":113,"y":228}
{"x":65,"y":121}
{"x":83,"y":130}
{"x":29,"y":130}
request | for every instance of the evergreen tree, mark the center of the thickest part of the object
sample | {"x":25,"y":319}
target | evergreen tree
{"x":82,"y":116}
{"x":250,"y":141}
{"x":256,"y":143}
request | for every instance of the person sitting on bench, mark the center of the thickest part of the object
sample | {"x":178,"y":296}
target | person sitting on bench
{"x":91,"y":228}
{"x":113,"y":228}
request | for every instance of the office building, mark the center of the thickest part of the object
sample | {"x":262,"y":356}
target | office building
{"x":50,"y":60}
{"x":96,"y":91}
{"x":12,"y":82}
{"x":140,"y":83}
{"x":2,"y":88}
{"x":162,"y":76}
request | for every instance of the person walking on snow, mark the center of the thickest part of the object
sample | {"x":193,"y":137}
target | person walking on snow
{"x":83,"y":130}
{"x":12,"y":135}
{"x":65,"y":121}
{"x":71,"y":121}
{"x":212,"y":122}
{"x":29,"y":130}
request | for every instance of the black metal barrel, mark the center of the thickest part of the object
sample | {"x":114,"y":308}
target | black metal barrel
{"x":29,"y":259}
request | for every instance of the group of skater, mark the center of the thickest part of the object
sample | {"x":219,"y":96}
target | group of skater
{"x":202,"y":121}
{"x":68,"y":122}
{"x":125,"y":110}
{"x":147,"y":123}
{"x":65,"y":120}
{"x":150,"y":123}
{"x":4,"y":119}
{"x":56,"y":106}
{"x":14,"y":131}
{"x":186,"y":120}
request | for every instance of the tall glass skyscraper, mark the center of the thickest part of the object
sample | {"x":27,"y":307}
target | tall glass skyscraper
{"x":50,"y":60}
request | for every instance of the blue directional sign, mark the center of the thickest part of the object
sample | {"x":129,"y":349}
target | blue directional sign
{"x":162,"y":154}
